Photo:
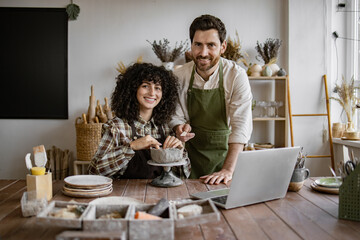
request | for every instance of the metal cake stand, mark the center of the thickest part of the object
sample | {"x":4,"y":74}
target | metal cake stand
{"x":167,"y":177}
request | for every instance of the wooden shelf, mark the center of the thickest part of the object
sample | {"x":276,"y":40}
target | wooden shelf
{"x":267,"y":78}
{"x":270,"y":129}
{"x":269,"y":119}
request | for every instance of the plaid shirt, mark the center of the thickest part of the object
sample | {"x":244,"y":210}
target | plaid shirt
{"x":114,"y":152}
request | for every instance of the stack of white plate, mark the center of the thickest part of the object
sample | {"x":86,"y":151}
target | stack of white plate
{"x":87,"y":186}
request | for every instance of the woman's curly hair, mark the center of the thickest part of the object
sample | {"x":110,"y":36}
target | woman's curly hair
{"x":124,"y":101}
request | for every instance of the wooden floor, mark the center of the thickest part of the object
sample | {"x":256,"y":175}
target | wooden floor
{"x":303,"y":215}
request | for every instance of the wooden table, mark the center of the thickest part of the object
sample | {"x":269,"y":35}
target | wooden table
{"x":303,"y":215}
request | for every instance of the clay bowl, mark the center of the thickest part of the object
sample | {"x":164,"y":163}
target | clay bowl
{"x":168,"y":155}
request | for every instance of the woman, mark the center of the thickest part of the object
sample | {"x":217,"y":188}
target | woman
{"x":144,"y":99}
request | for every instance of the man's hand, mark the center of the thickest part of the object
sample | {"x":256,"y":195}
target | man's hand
{"x":145,"y":143}
{"x":172,"y":142}
{"x":223,"y":175}
{"x":183,"y":132}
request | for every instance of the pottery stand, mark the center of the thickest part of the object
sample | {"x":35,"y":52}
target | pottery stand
{"x":167,"y":177}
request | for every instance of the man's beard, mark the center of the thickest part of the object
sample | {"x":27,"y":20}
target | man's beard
{"x":213,"y":62}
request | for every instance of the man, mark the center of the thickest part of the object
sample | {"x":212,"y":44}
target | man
{"x":214,"y":103}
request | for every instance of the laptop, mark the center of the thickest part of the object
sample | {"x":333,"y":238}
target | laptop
{"x":259,"y":176}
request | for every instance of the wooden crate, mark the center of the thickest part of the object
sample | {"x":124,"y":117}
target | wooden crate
{"x":91,"y":221}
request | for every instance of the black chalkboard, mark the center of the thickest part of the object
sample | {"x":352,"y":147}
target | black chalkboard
{"x":33,"y":63}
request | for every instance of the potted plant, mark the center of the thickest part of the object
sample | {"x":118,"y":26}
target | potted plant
{"x":268,"y":51}
{"x":167,"y":55}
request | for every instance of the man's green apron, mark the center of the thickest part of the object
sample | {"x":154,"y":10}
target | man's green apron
{"x":207,"y":113}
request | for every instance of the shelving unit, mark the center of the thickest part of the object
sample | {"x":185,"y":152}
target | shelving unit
{"x":272,"y":130}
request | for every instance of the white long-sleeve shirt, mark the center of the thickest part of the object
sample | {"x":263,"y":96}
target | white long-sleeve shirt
{"x":238,"y":97}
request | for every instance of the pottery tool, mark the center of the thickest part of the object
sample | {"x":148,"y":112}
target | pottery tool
{"x":84,"y":118}
{"x":28,"y":161}
{"x":100,"y":113}
{"x":40,"y":158}
{"x":107,"y":109}
{"x":92,"y":106}
{"x":38,"y":171}
{"x":183,"y":134}
{"x":160,"y":207}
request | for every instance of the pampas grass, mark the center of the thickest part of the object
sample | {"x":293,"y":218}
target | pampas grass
{"x":347,"y":97}
{"x":121,"y":68}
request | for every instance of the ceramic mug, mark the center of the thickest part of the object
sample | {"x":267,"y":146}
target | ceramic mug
{"x":300,"y":175}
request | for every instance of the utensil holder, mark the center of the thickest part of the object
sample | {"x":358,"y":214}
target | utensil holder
{"x":88,"y":137}
{"x":349,"y":196}
{"x":41,"y":184}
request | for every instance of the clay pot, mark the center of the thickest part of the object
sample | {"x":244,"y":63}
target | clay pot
{"x":267,"y":72}
{"x":274,"y":68}
{"x":255,"y":70}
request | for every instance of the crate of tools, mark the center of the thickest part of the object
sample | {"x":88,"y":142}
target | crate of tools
{"x":88,"y":128}
{"x":349,"y":192}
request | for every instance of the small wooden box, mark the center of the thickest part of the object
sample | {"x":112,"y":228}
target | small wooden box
{"x":91,"y":221}
{"x":42,"y":184}
{"x":209,"y":213}
{"x":45,"y":218}
{"x":151,"y":229}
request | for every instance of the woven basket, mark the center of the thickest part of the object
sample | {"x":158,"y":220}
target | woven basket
{"x":349,"y":196}
{"x":87,"y":139}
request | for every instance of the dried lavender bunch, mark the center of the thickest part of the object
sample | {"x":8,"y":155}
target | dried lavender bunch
{"x":269,"y":50}
{"x":164,"y":52}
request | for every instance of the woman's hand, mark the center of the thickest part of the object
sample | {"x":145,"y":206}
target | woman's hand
{"x":145,"y":143}
{"x":172,"y":142}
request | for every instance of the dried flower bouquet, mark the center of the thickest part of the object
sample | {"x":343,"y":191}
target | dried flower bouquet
{"x":233,"y":51}
{"x":269,"y":50}
{"x":164,"y":52}
{"x":347,"y":97}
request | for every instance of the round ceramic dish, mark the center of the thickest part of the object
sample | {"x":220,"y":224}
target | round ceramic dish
{"x":87,"y":190}
{"x":87,"y":194}
{"x":86,"y":181}
{"x":329,"y":182}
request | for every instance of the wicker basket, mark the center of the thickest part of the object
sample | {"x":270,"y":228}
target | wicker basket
{"x":87,"y":139}
{"x":349,"y":196}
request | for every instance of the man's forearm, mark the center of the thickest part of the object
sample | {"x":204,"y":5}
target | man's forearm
{"x":232,"y":155}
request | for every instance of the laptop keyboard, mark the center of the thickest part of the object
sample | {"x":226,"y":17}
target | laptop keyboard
{"x":221,"y":199}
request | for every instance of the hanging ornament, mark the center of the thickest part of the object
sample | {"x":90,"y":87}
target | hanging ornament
{"x":73,"y":11}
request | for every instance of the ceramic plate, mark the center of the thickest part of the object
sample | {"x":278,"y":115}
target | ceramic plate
{"x":87,"y":181}
{"x":115,"y":201}
{"x":88,"y":195}
{"x":89,"y":190}
{"x":330,"y":182}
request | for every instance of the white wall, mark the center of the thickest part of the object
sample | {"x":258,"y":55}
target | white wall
{"x":110,"y":31}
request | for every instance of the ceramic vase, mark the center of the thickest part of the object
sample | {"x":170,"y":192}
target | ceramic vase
{"x":267,"y":72}
{"x":255,"y":70}
{"x":168,"y":65}
{"x":274,"y":68}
